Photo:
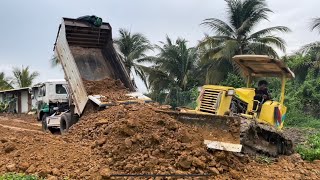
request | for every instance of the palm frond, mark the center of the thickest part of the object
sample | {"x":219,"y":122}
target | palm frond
{"x":218,"y":26}
{"x":274,"y":41}
{"x":5,"y":82}
{"x":262,"y":49}
{"x":314,"y":46}
{"x":23,"y":77}
{"x":133,"y":48}
{"x":140,"y":71}
{"x":268,"y":31}
{"x":54,"y":61}
{"x":315,"y":24}
{"x":253,"y":11}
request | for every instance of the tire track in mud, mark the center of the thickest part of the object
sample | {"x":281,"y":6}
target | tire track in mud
{"x":19,"y":125}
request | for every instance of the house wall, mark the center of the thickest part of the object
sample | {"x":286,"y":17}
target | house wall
{"x":35,"y":93}
{"x":24,"y":101}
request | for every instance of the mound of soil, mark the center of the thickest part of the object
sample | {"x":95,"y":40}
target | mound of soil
{"x":137,"y":140}
{"x":45,"y":155}
{"x":112,"y":90}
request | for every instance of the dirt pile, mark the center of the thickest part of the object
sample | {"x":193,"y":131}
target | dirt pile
{"x":46,"y":155}
{"x":112,"y":90}
{"x":135,"y":139}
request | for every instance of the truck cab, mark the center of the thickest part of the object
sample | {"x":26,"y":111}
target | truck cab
{"x":49,"y":96}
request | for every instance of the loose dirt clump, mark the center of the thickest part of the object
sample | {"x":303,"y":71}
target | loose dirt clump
{"x":112,"y":90}
{"x":135,"y":139}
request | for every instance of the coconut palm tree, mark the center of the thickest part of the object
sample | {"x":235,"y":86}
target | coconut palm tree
{"x":173,"y":66}
{"x":237,"y":35}
{"x":133,"y":48}
{"x":313,"y":49}
{"x":5,"y":82}
{"x":23,"y":77}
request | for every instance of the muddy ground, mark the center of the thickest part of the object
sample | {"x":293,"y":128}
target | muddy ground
{"x":92,"y":155}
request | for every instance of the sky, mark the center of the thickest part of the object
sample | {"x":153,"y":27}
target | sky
{"x":29,"y":28}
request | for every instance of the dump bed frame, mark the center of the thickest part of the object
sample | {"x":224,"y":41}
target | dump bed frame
{"x":80,"y":34}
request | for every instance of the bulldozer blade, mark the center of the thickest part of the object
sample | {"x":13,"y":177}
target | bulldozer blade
{"x":222,"y":132}
{"x":223,"y":146}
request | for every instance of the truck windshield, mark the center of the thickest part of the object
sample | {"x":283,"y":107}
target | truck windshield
{"x":60,"y":89}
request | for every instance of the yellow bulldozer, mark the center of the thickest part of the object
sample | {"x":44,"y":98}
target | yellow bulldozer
{"x":228,"y":116}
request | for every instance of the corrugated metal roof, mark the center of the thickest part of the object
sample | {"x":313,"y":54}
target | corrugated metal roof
{"x":18,"y":89}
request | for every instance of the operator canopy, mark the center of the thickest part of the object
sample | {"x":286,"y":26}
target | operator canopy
{"x":262,"y":66}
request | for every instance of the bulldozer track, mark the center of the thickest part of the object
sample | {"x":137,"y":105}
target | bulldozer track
{"x":264,"y":139}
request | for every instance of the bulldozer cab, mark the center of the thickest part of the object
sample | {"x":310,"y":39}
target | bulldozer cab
{"x":260,"y":66}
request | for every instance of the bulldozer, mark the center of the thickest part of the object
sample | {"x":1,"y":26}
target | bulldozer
{"x":230,"y":116}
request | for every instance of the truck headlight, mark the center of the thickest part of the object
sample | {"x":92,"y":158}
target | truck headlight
{"x":230,"y":92}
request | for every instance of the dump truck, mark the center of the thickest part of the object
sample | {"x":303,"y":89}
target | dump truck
{"x":261,"y":122}
{"x":84,"y":48}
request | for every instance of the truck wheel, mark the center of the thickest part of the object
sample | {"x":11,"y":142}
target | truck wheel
{"x":65,"y":122}
{"x":44,"y":122}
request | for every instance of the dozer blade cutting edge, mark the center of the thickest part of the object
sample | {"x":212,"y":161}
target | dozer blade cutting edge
{"x":219,"y":132}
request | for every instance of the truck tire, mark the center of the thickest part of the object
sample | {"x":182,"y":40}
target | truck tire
{"x":65,"y":122}
{"x":44,"y":122}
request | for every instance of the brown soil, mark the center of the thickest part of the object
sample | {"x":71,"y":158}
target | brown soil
{"x":45,"y":155}
{"x":119,"y":140}
{"x":19,"y":123}
{"x":135,"y":139}
{"x":130,"y":139}
{"x":285,"y":167}
{"x":113,"y":90}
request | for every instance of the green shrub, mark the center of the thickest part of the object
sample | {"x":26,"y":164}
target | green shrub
{"x":233,"y":80}
{"x":14,"y":176}
{"x":296,"y":118}
{"x":311,"y":150}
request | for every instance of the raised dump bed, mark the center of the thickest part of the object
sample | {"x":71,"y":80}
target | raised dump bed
{"x":86,"y":52}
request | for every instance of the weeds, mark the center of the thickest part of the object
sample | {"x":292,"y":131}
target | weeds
{"x":15,"y":176}
{"x":264,"y":159}
{"x":311,"y":149}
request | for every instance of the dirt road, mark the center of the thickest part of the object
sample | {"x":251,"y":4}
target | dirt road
{"x":24,"y":148}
